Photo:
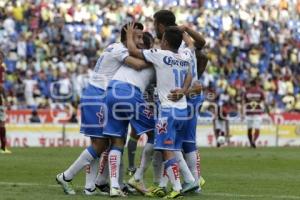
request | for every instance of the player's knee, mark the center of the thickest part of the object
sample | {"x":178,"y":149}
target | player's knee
{"x":133,"y":134}
{"x":189,"y":147}
{"x":150,"y":136}
{"x":99,"y":144}
{"x":118,"y":142}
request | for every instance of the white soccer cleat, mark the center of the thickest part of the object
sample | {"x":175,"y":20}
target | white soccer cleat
{"x":188,"y":187}
{"x":67,"y":186}
{"x":90,"y":192}
{"x":116,"y":192}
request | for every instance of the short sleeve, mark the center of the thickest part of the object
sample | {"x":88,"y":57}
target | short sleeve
{"x":120,"y":52}
{"x":152,"y":55}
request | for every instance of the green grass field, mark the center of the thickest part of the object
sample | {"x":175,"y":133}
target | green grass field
{"x":230,"y":173}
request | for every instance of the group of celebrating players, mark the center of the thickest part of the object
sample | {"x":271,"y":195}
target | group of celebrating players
{"x":115,"y":98}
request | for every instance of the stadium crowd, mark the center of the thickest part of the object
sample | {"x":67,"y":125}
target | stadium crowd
{"x":52,"y":46}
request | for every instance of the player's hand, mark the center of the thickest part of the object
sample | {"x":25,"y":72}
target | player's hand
{"x":129,"y":29}
{"x":182,"y":28}
{"x":176,"y":94}
{"x":195,"y":90}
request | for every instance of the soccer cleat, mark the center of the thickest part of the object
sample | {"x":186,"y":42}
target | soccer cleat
{"x":67,"y":186}
{"x":131,"y":171}
{"x":157,"y":192}
{"x":138,"y":185}
{"x":173,"y":195}
{"x":188,"y":187}
{"x":103,"y":189}
{"x":6,"y":151}
{"x":116,"y":192}
{"x":90,"y":192}
{"x":127,"y":189}
{"x":202,"y":181}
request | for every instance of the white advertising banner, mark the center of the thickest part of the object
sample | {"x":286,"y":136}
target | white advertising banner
{"x":57,"y":135}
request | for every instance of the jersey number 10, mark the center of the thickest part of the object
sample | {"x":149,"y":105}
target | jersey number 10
{"x":179,"y":77}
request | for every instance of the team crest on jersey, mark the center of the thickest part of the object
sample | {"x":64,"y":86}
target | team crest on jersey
{"x":100,"y":115}
{"x":148,"y":112}
{"x":161,"y":126}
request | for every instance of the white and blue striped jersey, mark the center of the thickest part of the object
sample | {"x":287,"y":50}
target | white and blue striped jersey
{"x":108,"y":64}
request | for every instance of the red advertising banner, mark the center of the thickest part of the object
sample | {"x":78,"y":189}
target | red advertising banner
{"x":45,"y":115}
{"x":59,"y":116}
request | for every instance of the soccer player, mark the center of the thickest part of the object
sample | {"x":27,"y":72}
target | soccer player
{"x":133,"y":139}
{"x":4,"y":150}
{"x":93,"y":111}
{"x":253,"y":107}
{"x":126,"y":105}
{"x":148,"y":149}
{"x":162,"y":20}
{"x":174,"y":68}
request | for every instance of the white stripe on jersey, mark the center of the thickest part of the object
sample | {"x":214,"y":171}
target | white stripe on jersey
{"x":108,"y":64}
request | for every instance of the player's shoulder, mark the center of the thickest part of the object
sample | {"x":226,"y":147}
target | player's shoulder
{"x":117,"y":46}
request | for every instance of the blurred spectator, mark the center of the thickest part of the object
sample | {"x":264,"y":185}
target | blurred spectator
{"x":35,"y":117}
{"x":52,"y":42}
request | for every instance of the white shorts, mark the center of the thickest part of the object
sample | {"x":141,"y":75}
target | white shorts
{"x":254,"y":121}
{"x":220,"y":125}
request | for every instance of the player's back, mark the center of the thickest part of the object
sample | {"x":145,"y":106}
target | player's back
{"x":171,"y":69}
{"x":138,"y":78}
{"x":108,"y":64}
{"x":188,"y":52}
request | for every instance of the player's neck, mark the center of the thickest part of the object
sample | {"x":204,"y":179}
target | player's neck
{"x":171,"y":49}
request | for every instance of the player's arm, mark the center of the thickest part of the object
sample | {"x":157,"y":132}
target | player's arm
{"x":177,"y":94}
{"x":136,"y":63}
{"x":197,"y":37}
{"x":202,"y":61}
{"x":133,"y":50}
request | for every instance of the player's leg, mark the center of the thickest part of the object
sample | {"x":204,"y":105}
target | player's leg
{"x":90,"y":126}
{"x":118,"y":113}
{"x":114,"y":164}
{"x":131,"y":147}
{"x":189,"y":146}
{"x":3,"y":150}
{"x":91,"y":171}
{"x":167,"y":127}
{"x":137,"y":181}
{"x":250,"y":129}
{"x":188,"y":178}
{"x":143,"y":123}
{"x":256,"y":127}
{"x":102,"y":179}
{"x":89,"y":154}
{"x":3,"y":138}
{"x":84,"y":159}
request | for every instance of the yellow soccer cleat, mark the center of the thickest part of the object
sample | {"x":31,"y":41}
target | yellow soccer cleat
{"x":6,"y":151}
{"x":174,"y":195}
{"x":201,"y":181}
{"x":138,"y":185}
{"x":156,"y":192}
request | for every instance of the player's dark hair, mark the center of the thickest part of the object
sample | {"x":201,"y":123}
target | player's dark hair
{"x":123,"y":32}
{"x":173,"y":36}
{"x":165,"y":17}
{"x":148,"y":40}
